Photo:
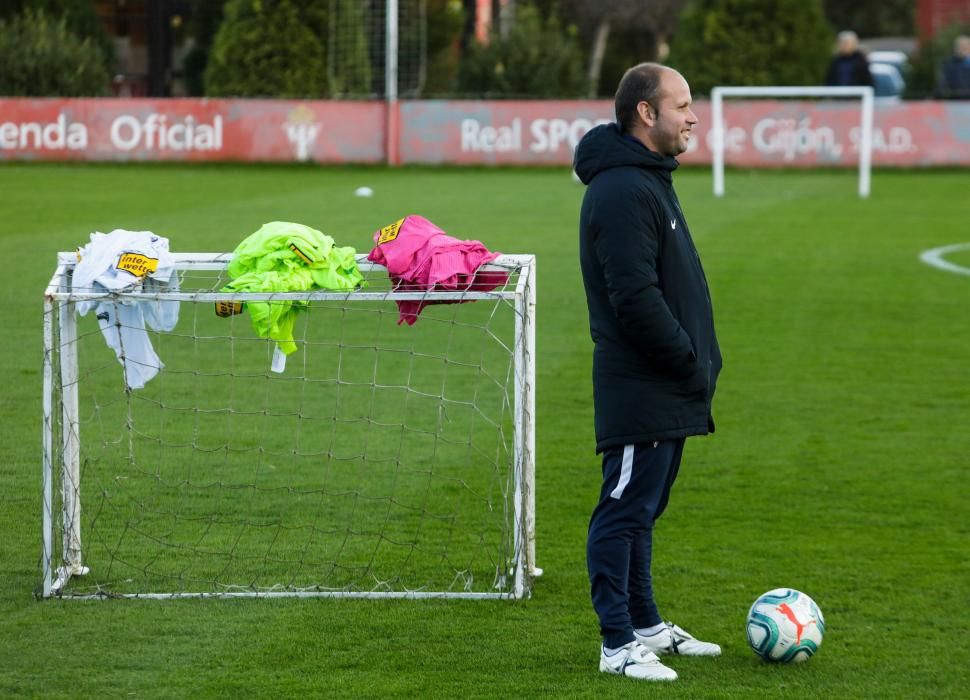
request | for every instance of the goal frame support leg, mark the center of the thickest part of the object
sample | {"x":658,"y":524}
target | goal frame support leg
{"x":70,"y":463}
{"x":524,"y":536}
{"x":47,"y":471}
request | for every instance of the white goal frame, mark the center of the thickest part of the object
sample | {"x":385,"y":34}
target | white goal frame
{"x":866,"y":93}
{"x":59,"y":308}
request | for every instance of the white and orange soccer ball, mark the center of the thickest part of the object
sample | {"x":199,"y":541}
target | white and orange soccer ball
{"x":785,"y":625}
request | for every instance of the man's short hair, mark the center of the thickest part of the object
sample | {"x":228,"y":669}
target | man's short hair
{"x":639,"y":84}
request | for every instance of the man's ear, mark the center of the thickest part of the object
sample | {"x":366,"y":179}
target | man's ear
{"x":646,"y":113}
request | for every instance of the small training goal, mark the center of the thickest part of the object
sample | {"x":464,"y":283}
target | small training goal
{"x":385,"y":460}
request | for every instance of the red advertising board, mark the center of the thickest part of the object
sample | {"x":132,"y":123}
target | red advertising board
{"x":495,"y":132}
{"x":194,"y":130}
{"x":762,"y":133}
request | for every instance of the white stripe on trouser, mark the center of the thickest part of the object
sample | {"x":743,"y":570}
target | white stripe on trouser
{"x":626,"y":471}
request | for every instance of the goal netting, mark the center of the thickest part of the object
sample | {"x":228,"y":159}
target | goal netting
{"x":377,"y":48}
{"x":385,"y":460}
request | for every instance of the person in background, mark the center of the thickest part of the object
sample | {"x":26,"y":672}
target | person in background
{"x":954,"y":79}
{"x":849,"y":66}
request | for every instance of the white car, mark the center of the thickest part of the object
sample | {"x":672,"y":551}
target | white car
{"x":887,"y":81}
{"x":888,"y":69}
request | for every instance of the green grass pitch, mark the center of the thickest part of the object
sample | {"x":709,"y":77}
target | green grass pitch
{"x":838,"y":467}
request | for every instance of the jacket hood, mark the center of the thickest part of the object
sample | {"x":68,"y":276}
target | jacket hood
{"x":605,"y":146}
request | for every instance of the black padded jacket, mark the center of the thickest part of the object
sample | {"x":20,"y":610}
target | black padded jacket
{"x":656,"y":358}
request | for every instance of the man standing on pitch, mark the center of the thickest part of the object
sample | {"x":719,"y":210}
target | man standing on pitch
{"x":655,"y":356}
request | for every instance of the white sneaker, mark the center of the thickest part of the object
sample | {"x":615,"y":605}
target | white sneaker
{"x":636,"y":661}
{"x":674,"y":640}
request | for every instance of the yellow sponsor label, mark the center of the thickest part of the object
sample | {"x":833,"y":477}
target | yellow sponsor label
{"x":300,"y":254}
{"x":228,"y":308}
{"x":137,"y":264}
{"x":389,"y":233}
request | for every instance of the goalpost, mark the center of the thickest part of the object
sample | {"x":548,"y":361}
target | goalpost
{"x":865,"y":135}
{"x":385,"y":461}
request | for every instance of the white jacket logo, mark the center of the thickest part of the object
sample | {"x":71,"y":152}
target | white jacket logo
{"x":673,"y":224}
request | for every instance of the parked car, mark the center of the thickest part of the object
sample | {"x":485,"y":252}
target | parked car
{"x":888,"y":82}
{"x":888,"y":69}
{"x":895,"y":58}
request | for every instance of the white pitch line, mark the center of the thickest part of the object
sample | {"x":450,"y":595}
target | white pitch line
{"x":935,"y":259}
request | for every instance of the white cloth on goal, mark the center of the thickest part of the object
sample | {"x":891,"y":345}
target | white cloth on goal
{"x":128,"y":261}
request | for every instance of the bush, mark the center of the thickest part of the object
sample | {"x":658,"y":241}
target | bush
{"x":445,"y":21}
{"x":79,"y":15}
{"x":923,"y":79}
{"x":536,"y":59}
{"x":350,"y":70}
{"x":751,"y":42}
{"x":40,"y":57}
{"x":265,"y":48}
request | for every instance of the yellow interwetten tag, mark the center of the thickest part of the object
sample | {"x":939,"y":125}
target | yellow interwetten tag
{"x":225,"y":309}
{"x":389,"y":233}
{"x":300,"y":254}
{"x":137,"y":264}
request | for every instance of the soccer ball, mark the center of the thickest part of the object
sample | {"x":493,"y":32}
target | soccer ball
{"x":785,"y":625}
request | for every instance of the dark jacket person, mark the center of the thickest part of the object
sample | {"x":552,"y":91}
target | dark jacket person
{"x":954,"y":79}
{"x":849,"y":66}
{"x":655,"y":356}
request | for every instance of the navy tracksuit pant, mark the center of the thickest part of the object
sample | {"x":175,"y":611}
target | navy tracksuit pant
{"x":636,"y":486}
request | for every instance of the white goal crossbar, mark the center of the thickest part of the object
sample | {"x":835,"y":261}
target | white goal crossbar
{"x":63,"y":465}
{"x":865,"y":139}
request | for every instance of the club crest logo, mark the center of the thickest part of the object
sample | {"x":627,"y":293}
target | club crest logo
{"x":301,"y":131}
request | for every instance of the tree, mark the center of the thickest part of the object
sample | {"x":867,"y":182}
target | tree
{"x":646,"y":26}
{"x":923,"y":80}
{"x":536,"y":58}
{"x":80,"y":20}
{"x":751,"y":42}
{"x":872,"y":17}
{"x":446,"y":20}
{"x":265,"y":48}
{"x":349,"y":52}
{"x":41,"y":57}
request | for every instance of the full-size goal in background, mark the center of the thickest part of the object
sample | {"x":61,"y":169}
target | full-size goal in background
{"x":864,"y":93}
{"x":385,"y":461}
